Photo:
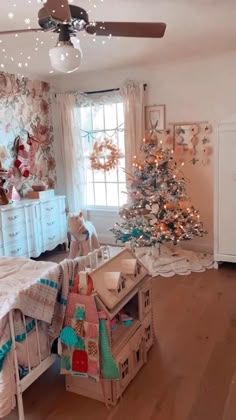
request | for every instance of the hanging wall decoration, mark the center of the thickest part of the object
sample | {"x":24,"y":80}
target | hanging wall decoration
{"x":191,"y":142}
{"x":155,"y":117}
{"x":105,"y":155}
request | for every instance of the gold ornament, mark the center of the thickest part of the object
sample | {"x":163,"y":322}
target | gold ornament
{"x":106,"y":150}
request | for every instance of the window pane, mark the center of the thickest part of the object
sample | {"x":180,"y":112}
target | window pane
{"x":85,"y":118}
{"x":121,"y":141}
{"x":120,"y":113}
{"x":121,"y":172}
{"x":122,"y":194}
{"x":112,"y":195}
{"x":111,"y":176}
{"x":97,"y":117}
{"x":99,"y":176}
{"x":89,"y":175}
{"x":90,"y":196}
{"x":100,"y":194}
{"x":110,"y":116}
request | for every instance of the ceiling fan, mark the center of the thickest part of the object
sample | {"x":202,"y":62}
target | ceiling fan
{"x":65,"y":19}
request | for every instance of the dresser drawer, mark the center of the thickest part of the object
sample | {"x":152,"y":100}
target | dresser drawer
{"x":14,"y":233}
{"x":51,"y":235}
{"x":16,"y":249}
{"x":49,"y":210}
{"x":14,"y":216}
{"x":50,"y":224}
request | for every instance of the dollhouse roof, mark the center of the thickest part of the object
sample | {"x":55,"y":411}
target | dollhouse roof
{"x":112,"y":298}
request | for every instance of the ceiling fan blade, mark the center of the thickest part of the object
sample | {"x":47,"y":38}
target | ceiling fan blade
{"x":127,"y":29}
{"x":59,"y":10}
{"x":20,"y":31}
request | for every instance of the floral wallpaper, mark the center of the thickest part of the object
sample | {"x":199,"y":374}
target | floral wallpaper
{"x":25,"y":112}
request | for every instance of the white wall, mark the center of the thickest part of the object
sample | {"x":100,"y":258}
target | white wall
{"x":196,"y":90}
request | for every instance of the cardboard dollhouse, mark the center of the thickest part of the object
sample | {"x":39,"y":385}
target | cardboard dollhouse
{"x":124,"y":294}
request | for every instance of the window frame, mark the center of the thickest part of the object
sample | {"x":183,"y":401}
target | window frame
{"x":92,"y":135}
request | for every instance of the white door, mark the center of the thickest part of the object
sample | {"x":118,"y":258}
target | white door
{"x":227,"y":191}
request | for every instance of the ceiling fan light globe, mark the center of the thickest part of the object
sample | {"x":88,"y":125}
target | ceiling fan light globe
{"x":65,"y":58}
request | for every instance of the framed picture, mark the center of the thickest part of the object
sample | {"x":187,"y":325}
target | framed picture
{"x":184,"y":135}
{"x":155,"y":117}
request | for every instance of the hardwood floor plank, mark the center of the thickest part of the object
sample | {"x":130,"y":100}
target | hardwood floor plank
{"x":190,"y":374}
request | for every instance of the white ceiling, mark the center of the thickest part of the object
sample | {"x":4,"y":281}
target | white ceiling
{"x":194,"y":28}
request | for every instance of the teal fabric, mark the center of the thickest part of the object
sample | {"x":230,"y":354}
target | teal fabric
{"x":79,"y":313}
{"x":49,"y":283}
{"x":80,"y":345}
{"x":4,"y":350}
{"x":109,"y":366}
{"x":68,"y":337}
{"x":65,"y":363}
{"x":61,"y":300}
{"x":29,"y":327}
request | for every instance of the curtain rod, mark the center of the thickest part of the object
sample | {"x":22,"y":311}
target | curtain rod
{"x":109,"y":90}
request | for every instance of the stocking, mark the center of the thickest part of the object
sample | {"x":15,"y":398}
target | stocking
{"x":22,"y":158}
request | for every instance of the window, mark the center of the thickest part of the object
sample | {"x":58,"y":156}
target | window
{"x":125,"y":369}
{"x":99,"y":121}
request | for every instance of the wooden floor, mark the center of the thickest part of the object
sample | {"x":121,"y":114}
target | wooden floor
{"x":191,"y":373}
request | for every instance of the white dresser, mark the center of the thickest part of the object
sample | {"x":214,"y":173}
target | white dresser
{"x":225,"y":193}
{"x":30,"y":227}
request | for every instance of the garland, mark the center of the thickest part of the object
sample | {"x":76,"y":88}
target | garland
{"x":105,"y":155}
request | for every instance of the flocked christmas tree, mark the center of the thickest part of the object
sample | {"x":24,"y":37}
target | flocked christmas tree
{"x":158,"y":208}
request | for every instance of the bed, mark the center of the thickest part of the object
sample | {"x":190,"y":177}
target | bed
{"x":33,"y":297}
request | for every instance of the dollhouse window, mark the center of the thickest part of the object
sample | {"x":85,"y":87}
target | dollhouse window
{"x":138,"y":268}
{"x":148,"y":333}
{"x":147,"y":298}
{"x":137,"y":356}
{"x":125,"y":368}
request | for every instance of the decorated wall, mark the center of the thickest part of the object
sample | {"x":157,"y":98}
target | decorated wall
{"x":26,"y":132}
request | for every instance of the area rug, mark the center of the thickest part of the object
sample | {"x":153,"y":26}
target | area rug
{"x":168,"y":261}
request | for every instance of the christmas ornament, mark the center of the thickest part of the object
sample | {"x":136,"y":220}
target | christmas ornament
{"x":105,"y":155}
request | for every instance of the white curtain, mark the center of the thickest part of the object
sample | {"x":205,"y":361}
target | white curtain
{"x":70,"y":154}
{"x":133,"y":96}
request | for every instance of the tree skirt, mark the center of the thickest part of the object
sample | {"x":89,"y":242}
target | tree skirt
{"x":168,"y":261}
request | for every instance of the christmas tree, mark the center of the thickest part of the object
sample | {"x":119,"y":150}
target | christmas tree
{"x":158,"y":208}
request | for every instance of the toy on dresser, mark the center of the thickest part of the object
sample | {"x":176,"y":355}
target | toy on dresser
{"x":122,"y":291}
{"x":83,"y":235}
{"x":3,"y":191}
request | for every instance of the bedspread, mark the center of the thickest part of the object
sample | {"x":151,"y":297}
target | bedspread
{"x":39,"y":290}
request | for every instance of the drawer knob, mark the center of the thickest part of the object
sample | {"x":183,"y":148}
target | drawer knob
{"x":50,"y":223}
{"x":49,"y":208}
{"x":13,"y":217}
{"x":13,"y":235}
{"x":52,"y":237}
{"x":15,"y":251}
